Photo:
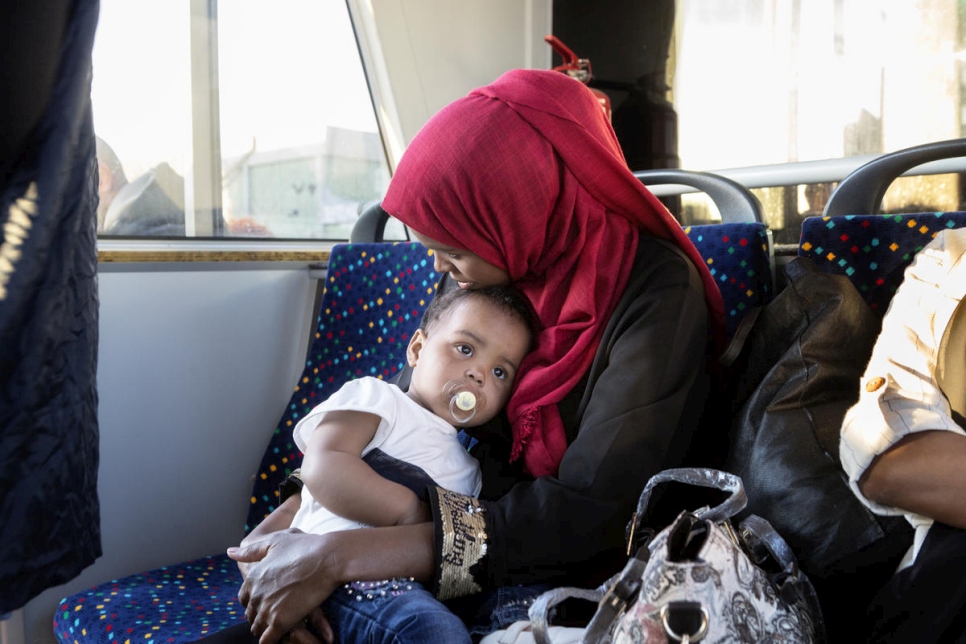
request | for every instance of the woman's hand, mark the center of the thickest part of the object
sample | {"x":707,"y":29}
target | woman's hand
{"x":279,"y":519}
{"x":296,"y":572}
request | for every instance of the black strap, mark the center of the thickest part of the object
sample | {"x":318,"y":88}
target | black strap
{"x":740,"y":336}
{"x":763,"y":543}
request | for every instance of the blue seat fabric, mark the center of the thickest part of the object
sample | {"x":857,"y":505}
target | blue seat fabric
{"x":738,"y":258}
{"x":375,"y":296}
{"x":873,"y":251}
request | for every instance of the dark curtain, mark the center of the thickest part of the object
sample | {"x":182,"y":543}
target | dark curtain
{"x":49,"y":512}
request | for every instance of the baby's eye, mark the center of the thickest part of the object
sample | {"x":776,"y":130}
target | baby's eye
{"x":500,"y":373}
{"x":453,"y":255}
{"x":465,"y":349}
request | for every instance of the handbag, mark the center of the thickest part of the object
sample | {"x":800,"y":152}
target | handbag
{"x":698,"y":579}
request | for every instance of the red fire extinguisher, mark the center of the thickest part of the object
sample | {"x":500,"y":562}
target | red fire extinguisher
{"x":578,"y":68}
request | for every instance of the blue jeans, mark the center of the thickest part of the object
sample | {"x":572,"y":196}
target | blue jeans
{"x":404,"y":614}
{"x":397,"y":611}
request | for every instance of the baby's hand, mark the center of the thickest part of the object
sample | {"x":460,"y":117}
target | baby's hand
{"x":416,"y":512}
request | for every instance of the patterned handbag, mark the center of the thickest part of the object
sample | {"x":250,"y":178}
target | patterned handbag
{"x":698,"y":579}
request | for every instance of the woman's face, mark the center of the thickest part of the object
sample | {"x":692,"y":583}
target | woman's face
{"x":468,"y":269}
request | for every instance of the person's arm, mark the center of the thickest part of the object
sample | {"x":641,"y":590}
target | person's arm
{"x":279,"y":519}
{"x":900,"y":445}
{"x":335,"y":474}
{"x":298,"y":571}
{"x":646,"y":394}
{"x":924,"y":474}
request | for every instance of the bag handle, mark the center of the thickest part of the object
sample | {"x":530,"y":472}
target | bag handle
{"x":540,"y":609}
{"x":612,"y":598}
{"x":701,"y":477}
{"x":762,"y":541}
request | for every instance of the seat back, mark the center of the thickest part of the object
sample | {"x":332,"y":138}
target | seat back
{"x":374,"y":298}
{"x":861,"y":192}
{"x":873,"y":250}
{"x":739,"y":260}
{"x":738,"y":251}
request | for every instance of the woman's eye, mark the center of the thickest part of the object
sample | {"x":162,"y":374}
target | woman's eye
{"x":465,"y":349}
{"x":500,"y":373}
{"x":453,"y":255}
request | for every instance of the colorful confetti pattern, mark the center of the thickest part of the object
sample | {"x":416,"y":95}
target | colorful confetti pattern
{"x":374,"y":299}
{"x":738,"y":258}
{"x":179,"y":603}
{"x":872,"y":250}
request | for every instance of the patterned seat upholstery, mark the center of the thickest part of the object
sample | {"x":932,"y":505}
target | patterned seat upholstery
{"x":872,"y":250}
{"x":738,"y":257}
{"x":375,"y":295}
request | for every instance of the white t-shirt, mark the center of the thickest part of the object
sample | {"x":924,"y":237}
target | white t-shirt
{"x":898,"y":394}
{"x":410,"y":443}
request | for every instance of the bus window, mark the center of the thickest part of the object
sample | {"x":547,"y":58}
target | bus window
{"x":253,"y":118}
{"x":800,"y":82}
{"x":784,"y":96}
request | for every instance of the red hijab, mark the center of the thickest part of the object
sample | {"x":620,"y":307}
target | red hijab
{"x":527,"y":174}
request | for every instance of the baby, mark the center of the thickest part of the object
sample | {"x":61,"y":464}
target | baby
{"x":371,"y":449}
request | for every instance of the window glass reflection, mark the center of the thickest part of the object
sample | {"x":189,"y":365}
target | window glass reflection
{"x":757,"y":82}
{"x":141,"y":115}
{"x":299,"y":142}
{"x":274,"y":137}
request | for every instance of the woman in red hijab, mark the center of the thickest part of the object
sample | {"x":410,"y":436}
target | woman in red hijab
{"x":523,"y":181}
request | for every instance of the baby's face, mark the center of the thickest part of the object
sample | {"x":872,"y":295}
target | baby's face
{"x":475,"y":342}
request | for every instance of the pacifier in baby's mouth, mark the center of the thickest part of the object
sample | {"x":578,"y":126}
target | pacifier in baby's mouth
{"x":464,"y":400}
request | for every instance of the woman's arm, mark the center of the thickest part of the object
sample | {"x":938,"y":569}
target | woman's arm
{"x":298,"y":571}
{"x":279,"y":519}
{"x":335,"y":474}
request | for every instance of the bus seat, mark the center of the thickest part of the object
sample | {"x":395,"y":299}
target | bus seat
{"x":739,"y":258}
{"x":374,"y":298}
{"x":738,"y":251}
{"x":871,"y":249}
